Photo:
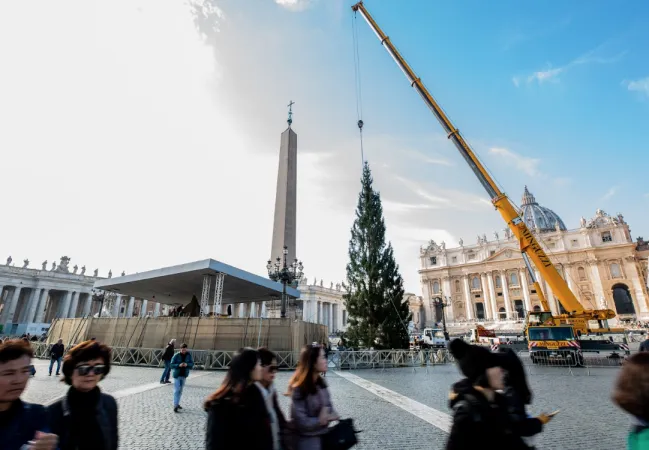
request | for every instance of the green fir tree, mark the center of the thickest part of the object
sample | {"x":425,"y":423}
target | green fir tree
{"x":378,"y":313}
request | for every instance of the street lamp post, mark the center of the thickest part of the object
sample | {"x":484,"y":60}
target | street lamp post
{"x":285,"y":274}
{"x":439,"y":304}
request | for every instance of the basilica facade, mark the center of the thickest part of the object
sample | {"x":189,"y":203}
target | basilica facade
{"x":487,"y":280}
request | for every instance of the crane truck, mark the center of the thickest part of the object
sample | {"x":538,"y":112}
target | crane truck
{"x":548,"y":336}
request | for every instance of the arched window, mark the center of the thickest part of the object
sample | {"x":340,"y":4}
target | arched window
{"x":615,"y":271}
{"x":475,"y":283}
{"x":435,"y":287}
{"x":457,"y":285}
{"x":513,"y":279}
{"x":622,"y":298}
{"x":582,"y":274}
{"x":498,"y":281}
{"x":537,"y":308}
{"x":502,"y":313}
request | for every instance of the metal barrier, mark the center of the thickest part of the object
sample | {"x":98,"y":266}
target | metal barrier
{"x":366,"y":359}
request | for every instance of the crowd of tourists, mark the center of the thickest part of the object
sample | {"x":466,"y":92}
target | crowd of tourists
{"x":488,"y":405}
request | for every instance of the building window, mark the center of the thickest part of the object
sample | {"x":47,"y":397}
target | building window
{"x":475,"y":283}
{"x":457,"y":285}
{"x":615,"y":271}
{"x":582,"y":274}
{"x":513,"y":279}
{"x":606,"y":236}
{"x":454,"y":259}
{"x":552,"y":245}
{"x":499,"y":283}
{"x":574,"y":243}
{"x":435,"y":287}
{"x":433,"y":260}
{"x":533,"y":291}
{"x":492,"y":252}
{"x":471,"y":256}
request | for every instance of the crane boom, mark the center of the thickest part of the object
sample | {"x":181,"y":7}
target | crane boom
{"x":530,"y":247}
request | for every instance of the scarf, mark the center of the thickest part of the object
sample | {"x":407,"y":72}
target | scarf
{"x":269,"y":396}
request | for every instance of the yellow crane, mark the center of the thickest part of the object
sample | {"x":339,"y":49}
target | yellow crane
{"x":576,"y":316}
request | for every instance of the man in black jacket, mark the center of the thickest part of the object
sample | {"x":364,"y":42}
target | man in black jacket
{"x":56,"y":355}
{"x":166,"y":358}
{"x":22,"y":425}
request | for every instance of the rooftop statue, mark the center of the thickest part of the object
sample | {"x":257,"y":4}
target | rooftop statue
{"x":25,"y":263}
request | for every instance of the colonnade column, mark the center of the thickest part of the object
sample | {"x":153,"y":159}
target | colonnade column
{"x":65,"y":306}
{"x":72,"y":312}
{"x":11,"y":310}
{"x":129,"y":308}
{"x":156,"y":310}
{"x":145,"y":304}
{"x":487,"y":297}
{"x":467,"y":297}
{"x":40,"y":307}
{"x":87,"y":305}
{"x":331,"y":317}
{"x":525,"y":287}
{"x":117,"y":306}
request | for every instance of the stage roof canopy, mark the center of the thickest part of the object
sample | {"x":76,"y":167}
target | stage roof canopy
{"x":177,"y":284}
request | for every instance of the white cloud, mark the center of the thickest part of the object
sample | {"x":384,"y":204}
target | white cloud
{"x":641,"y":86}
{"x":436,"y":160}
{"x":552,"y":74}
{"x":523,"y":163}
{"x":610,"y":193}
{"x":294,"y":5}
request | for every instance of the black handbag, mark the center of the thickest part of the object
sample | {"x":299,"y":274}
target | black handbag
{"x":341,"y":436}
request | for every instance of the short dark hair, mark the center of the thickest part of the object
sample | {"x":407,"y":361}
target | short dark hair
{"x":265,"y":356}
{"x":13,"y":349}
{"x":86,"y":351}
{"x":183,"y":345}
{"x":631,"y":392}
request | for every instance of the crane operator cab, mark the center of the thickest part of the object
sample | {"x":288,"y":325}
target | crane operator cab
{"x":554,"y":345}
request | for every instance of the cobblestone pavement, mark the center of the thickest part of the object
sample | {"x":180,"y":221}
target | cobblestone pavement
{"x":147,"y":421}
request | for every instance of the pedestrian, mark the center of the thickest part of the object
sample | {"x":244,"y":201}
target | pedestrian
{"x":327,"y":350}
{"x":311,"y":408}
{"x":237,"y":417}
{"x":166,"y":358}
{"x":480,"y":415}
{"x":278,"y":423}
{"x":631,"y":393}
{"x":517,"y":396}
{"x":85,"y":418}
{"x":56,"y":355}
{"x":644,"y":345}
{"x":22,"y":425}
{"x":181,"y":364}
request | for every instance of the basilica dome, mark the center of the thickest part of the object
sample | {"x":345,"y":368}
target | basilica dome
{"x":539,"y":218}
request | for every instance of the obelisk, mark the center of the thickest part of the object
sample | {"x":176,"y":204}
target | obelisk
{"x":284,"y":227}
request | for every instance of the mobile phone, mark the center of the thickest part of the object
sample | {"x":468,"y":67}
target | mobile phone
{"x":554,"y":413}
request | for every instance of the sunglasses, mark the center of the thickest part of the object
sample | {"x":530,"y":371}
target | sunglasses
{"x":85,"y":369}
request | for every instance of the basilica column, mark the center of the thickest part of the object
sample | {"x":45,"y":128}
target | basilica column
{"x":446,"y":292}
{"x":508,"y":306}
{"x":64,"y":308}
{"x":544,"y":289}
{"x":11,"y":311}
{"x":40,"y":307}
{"x":525,"y":287}
{"x":117,"y":306}
{"x":145,"y":305}
{"x":72,"y":312}
{"x":632,"y":273}
{"x":492,"y":294}
{"x":467,"y":298}
{"x":487,"y":297}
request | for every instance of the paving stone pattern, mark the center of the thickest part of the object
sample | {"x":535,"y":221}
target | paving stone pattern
{"x":147,"y":421}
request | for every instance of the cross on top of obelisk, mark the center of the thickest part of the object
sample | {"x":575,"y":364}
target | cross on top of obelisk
{"x":290,"y":113}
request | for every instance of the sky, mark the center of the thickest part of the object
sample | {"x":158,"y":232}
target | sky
{"x":138,"y":134}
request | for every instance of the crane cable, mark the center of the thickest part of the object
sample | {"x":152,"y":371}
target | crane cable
{"x":357,"y":83}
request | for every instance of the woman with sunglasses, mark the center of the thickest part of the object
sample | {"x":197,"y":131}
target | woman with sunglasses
{"x":237,"y":418}
{"x":85,"y":418}
{"x":311,"y":409}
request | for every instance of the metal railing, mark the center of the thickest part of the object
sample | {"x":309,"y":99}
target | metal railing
{"x":540,"y":362}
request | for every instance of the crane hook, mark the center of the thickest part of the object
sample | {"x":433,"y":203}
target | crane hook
{"x":360,"y":125}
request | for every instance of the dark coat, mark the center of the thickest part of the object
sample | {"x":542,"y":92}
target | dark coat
{"x":169,"y":353}
{"x":479,"y":423}
{"x":26,"y":419}
{"x":60,"y":422}
{"x":235,"y":423}
{"x":57,"y":351}
{"x":523,"y":425}
{"x":644,"y":346}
